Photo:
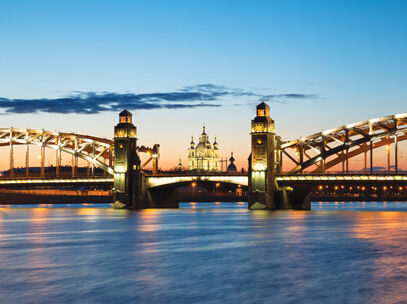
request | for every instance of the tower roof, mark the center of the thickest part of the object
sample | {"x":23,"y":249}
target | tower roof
{"x":262,"y":105}
{"x":125,"y":113}
{"x":263,"y":109}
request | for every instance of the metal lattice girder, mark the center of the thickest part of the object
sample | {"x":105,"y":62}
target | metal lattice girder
{"x":153,"y":152}
{"x":95,"y":150}
{"x":334,"y":142}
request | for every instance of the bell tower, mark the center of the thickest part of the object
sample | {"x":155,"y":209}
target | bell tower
{"x":262,"y":159}
{"x":127,"y":175}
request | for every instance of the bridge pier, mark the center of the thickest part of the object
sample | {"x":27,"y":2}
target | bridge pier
{"x":128,"y":184}
{"x":262,"y":181}
{"x":264,"y":162}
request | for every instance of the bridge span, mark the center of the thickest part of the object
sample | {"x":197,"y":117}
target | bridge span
{"x":168,"y":189}
{"x":269,"y":185}
{"x":159,"y":180}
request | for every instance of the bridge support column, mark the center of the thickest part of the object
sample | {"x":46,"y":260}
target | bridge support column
{"x":43,"y":160}
{"x":128,"y":186}
{"x":262,"y":180}
{"x":58,"y":156}
{"x":58,"y":162}
{"x":11,"y":154}
{"x":27,"y":159}
{"x":365,"y":162}
{"x":396,"y":165}
{"x":371,"y":156}
{"x":93,"y":157}
{"x":73,"y":166}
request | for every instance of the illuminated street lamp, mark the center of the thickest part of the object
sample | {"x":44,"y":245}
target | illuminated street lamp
{"x":193,"y":189}
{"x":217,"y":185}
{"x":388,"y":158}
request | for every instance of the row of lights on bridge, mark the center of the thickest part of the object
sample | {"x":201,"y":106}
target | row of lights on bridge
{"x":217,"y":185}
{"x":363,"y":188}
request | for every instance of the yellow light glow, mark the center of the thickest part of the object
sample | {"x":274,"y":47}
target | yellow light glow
{"x":120,"y":169}
{"x":259,"y":167}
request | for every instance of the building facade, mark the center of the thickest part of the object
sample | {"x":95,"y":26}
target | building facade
{"x":203,"y":157}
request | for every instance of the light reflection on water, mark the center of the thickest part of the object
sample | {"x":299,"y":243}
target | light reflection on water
{"x":205,"y":253}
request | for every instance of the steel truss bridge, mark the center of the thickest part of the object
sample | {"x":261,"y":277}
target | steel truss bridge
{"x":317,"y":153}
{"x":331,"y":147}
{"x":94,"y":150}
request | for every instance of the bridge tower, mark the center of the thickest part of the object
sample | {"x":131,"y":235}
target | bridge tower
{"x":262,"y":180}
{"x":127,"y":174}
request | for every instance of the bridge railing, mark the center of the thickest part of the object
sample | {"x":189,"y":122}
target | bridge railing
{"x":354,"y":172}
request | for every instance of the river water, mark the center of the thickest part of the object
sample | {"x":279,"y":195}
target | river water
{"x":213,"y":253}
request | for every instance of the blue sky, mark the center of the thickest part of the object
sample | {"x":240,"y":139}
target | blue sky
{"x":351,"y":56}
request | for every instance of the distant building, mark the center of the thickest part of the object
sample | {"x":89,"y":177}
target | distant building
{"x":232,"y":167}
{"x":203,"y":157}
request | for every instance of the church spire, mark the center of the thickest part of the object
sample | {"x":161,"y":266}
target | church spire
{"x":215,"y":144}
{"x":232,"y":166}
{"x":180,"y":165}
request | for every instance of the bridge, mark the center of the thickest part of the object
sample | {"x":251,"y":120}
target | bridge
{"x":309,"y":161}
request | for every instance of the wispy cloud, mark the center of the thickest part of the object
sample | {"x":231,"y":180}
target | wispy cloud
{"x":198,"y":96}
{"x":283,"y":98}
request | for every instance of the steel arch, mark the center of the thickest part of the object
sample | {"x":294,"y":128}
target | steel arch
{"x":93,"y":149}
{"x":345,"y":142}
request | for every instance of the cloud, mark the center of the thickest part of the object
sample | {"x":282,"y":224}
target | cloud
{"x":198,"y":96}
{"x":283,"y":98}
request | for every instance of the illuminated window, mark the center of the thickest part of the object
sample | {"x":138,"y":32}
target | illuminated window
{"x":125,"y":119}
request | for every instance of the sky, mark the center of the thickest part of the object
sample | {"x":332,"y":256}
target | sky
{"x":72,"y":66}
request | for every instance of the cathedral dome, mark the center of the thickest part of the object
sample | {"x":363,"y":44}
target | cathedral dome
{"x":232,"y":167}
{"x":202,"y":146}
{"x":203,"y":156}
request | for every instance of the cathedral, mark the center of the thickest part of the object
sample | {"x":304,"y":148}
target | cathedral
{"x":203,"y":157}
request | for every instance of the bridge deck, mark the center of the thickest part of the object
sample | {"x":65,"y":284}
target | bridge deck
{"x":239,"y":178}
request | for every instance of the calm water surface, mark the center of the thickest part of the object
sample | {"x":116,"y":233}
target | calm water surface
{"x":213,"y":253}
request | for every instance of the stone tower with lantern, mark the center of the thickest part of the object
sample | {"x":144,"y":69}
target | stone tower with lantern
{"x":262,"y":182}
{"x":127,"y":174}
